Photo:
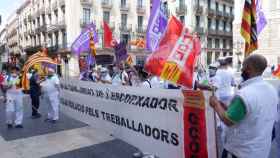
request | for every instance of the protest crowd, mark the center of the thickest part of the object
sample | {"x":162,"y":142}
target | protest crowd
{"x":246,"y":105}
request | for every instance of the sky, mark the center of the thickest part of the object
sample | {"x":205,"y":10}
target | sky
{"x":7,"y":7}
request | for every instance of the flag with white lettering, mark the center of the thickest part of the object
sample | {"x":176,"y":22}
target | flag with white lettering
{"x":176,"y":56}
{"x":156,"y":26}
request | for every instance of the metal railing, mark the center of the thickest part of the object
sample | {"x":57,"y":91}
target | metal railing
{"x":181,"y":10}
{"x":106,"y":4}
{"x":141,"y":9}
{"x":54,"y":5}
{"x":124,"y":7}
{"x":61,"y":2}
{"x":125,"y":28}
{"x":86,"y":2}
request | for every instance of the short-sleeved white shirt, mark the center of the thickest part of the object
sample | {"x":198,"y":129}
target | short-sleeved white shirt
{"x":50,"y":85}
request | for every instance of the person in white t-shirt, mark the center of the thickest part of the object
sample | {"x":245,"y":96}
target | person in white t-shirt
{"x":50,"y":88}
{"x":224,"y":83}
{"x":120,"y":76}
{"x":104,"y":76}
{"x":251,"y":114}
{"x":156,"y":82}
{"x":14,"y":103}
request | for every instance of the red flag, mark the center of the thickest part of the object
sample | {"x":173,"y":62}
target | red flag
{"x":175,"y":59}
{"x":108,"y":37}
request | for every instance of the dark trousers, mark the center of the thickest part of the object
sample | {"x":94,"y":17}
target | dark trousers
{"x":35,"y":101}
{"x":226,"y":154}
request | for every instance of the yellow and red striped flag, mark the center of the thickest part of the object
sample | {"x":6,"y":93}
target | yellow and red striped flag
{"x":249,"y":27}
{"x":276,"y":73}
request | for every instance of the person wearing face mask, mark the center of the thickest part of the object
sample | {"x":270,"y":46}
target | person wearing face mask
{"x":104,"y":76}
{"x":251,"y":114}
{"x":120,"y":76}
{"x":50,"y":88}
{"x":14,"y":95}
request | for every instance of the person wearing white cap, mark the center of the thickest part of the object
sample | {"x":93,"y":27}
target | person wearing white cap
{"x":104,"y":76}
{"x":50,"y":89}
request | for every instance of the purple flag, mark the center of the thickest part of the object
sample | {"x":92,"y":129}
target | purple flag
{"x":81,"y":44}
{"x":120,"y":52}
{"x":261,"y":20}
{"x":156,"y":26}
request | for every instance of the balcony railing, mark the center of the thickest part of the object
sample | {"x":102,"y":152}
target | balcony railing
{"x":226,"y":15}
{"x":219,"y":13}
{"x":61,"y":2}
{"x":84,"y":22}
{"x":61,"y":23}
{"x":25,"y":20}
{"x":199,"y":30}
{"x":106,"y":4}
{"x":86,"y":2}
{"x":228,"y":33}
{"x":221,"y":32}
{"x":31,"y":32}
{"x":141,"y":9}
{"x":48,"y":10}
{"x":125,"y":28}
{"x":140,"y":30}
{"x":42,"y":10}
{"x":29,"y":18}
{"x":211,"y":12}
{"x":212,"y":31}
{"x":37,"y":13}
{"x":37,"y":30}
{"x":231,"y":15}
{"x":54,"y":5}
{"x":124,"y":7}
{"x":181,"y":10}
{"x":198,"y":9}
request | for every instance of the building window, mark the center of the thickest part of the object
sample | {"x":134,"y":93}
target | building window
{"x":123,"y":3}
{"x":224,"y":54}
{"x":231,"y":11}
{"x":217,"y":43}
{"x":209,"y":3}
{"x":140,"y":60}
{"x":140,"y":3}
{"x":197,"y":21}
{"x":125,"y":38}
{"x":209,"y":23}
{"x":217,"y":55}
{"x":63,"y":10}
{"x":86,"y":15}
{"x":224,"y":43}
{"x":181,"y":3}
{"x":217,"y":24}
{"x":106,"y":16}
{"x":124,"y":19}
{"x":224,"y":25}
{"x":209,"y":58}
{"x":140,"y":21}
{"x":209,"y":43}
{"x":217,"y":6}
{"x":64,"y":39}
{"x":182,"y":19}
{"x":224,"y":8}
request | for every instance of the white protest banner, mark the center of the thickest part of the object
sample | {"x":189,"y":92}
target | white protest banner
{"x":157,"y":121}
